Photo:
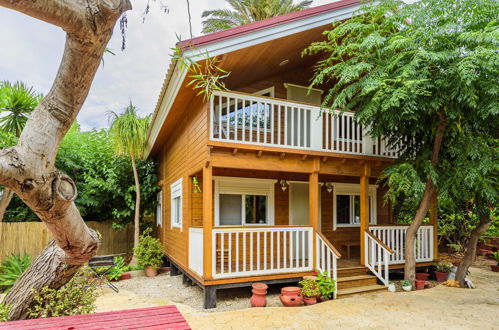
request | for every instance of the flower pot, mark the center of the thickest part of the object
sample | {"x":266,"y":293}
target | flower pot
{"x":310,"y":300}
{"x":291,"y":296}
{"x":258,"y":298}
{"x":125,"y":276}
{"x":150,"y":271}
{"x":494,"y":268}
{"x":407,"y":288}
{"x":420,"y":284}
{"x":422,"y":276}
{"x":456,"y":263}
{"x":441,"y":277}
{"x":392,"y":288}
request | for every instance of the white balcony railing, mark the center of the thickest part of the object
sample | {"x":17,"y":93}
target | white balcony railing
{"x":241,"y":252}
{"x":266,"y":121}
{"x":377,"y":256}
{"x":326,"y":258}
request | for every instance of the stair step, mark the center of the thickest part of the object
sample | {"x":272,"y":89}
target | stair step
{"x":356,"y":281}
{"x":355,"y":278}
{"x":361,"y":289}
{"x":353,"y":271}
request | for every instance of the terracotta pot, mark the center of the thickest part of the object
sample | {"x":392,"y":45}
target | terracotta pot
{"x":441,"y":277}
{"x":125,"y":276}
{"x":420,"y":284}
{"x":310,"y":300}
{"x":291,"y":296}
{"x":258,"y":298}
{"x":494,"y":268}
{"x":422,"y":276}
{"x":150,"y":271}
{"x":484,"y":252}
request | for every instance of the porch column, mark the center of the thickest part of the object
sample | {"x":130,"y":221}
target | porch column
{"x":207,"y":220}
{"x":434,"y":222}
{"x":313,"y":199}
{"x":364,"y":208}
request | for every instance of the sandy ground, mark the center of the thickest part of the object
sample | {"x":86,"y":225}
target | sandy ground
{"x":439,"y":308}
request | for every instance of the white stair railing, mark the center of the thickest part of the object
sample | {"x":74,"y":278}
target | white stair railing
{"x":377,"y":256}
{"x":326,"y":256}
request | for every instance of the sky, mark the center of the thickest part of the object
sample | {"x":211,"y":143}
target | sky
{"x":30,"y":51}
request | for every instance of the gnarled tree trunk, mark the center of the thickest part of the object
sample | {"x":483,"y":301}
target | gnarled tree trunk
{"x":28,"y":168}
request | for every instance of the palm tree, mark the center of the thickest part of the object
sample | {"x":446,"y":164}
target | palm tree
{"x":17,"y":101}
{"x":129,"y":132}
{"x":247,"y":11}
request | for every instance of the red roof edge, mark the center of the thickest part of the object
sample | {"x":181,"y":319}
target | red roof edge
{"x":266,"y":23}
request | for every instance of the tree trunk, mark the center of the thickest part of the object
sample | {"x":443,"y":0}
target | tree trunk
{"x":28,"y":168}
{"x":136,"y":219}
{"x":424,"y":206}
{"x":470,"y":254}
{"x":5,"y":201}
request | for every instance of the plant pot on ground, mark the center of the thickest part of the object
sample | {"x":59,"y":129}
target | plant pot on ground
{"x":310,"y":291}
{"x":391,"y":287}
{"x":422,"y":276}
{"x":420,"y":284}
{"x":495,"y":268}
{"x":406,"y":285}
{"x":149,"y":253}
{"x":125,"y":276}
{"x":258,"y":298}
{"x":442,"y":270}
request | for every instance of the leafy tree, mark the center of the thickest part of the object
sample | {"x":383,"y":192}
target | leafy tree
{"x":424,"y":75}
{"x":129,"y":134}
{"x":247,"y":11}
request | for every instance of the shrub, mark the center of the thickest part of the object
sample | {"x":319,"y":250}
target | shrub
{"x":149,"y":251}
{"x":309,"y":288}
{"x":326,"y":285}
{"x":11,"y":269}
{"x":74,"y":298}
{"x":442,"y":267}
{"x":118,"y":269}
{"x":4,"y":313}
{"x":495,"y":256}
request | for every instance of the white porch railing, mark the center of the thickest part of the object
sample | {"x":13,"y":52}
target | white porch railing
{"x":196,"y":250}
{"x":377,"y":257}
{"x":239,"y":252}
{"x":326,"y":256}
{"x":265,"y":121}
{"x":394,"y":238}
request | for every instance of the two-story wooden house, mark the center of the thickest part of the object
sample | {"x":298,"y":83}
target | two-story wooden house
{"x":258,"y":183}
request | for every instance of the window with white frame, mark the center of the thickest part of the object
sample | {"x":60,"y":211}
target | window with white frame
{"x":346,"y":204}
{"x":244,"y":201}
{"x":176,"y":204}
{"x":159,"y":209}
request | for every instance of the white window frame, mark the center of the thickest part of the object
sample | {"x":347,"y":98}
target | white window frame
{"x":159,"y":208}
{"x":353,"y":189}
{"x":176,"y":192}
{"x":270,"y":90}
{"x":244,"y":186}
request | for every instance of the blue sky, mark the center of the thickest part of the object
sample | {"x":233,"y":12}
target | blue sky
{"x":30,"y":51}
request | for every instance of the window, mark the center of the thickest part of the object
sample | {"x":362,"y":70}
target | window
{"x":346,"y":204}
{"x":159,"y":209}
{"x":243,"y":201}
{"x":176,"y":204}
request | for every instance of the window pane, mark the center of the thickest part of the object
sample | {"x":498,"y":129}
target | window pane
{"x":230,"y":210}
{"x":176,"y":210}
{"x":256,"y":209}
{"x":356,"y":203}
{"x":343,"y":209}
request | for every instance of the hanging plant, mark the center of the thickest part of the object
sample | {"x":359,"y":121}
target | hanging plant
{"x":195,"y":183}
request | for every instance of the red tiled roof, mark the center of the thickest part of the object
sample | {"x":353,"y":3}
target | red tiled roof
{"x":264,"y":24}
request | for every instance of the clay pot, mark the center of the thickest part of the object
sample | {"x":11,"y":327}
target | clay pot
{"x":422,"y":276}
{"x":291,"y":296}
{"x":310,"y":300}
{"x":258,"y":298}
{"x":441,"y":277}
{"x":494,"y":268}
{"x":484,"y":252}
{"x":150,"y":271}
{"x":125,"y":276}
{"x":420,"y":284}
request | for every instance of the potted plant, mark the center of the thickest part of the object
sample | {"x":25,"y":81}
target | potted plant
{"x":442,"y":270}
{"x":117,"y":273}
{"x":310,"y":291}
{"x":326,"y":286}
{"x":495,"y":256}
{"x":422,"y":276}
{"x":149,"y":253}
{"x":406,"y":285}
{"x":420,"y":284}
{"x":391,"y":287}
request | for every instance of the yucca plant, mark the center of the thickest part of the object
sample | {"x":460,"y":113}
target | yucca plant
{"x":11,"y":269}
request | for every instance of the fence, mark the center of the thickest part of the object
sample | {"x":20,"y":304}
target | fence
{"x":32,"y":237}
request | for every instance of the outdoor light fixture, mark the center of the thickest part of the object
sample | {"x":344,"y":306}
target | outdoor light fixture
{"x":284,"y":184}
{"x":329,"y":187}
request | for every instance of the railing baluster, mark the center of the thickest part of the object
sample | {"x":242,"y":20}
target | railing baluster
{"x":222,"y":256}
{"x":258,"y":122}
{"x":244,"y":251}
{"x":264,"y":250}
{"x":278,"y":250}
{"x":235,"y":118}
{"x":229,"y":260}
{"x":251,"y":251}
{"x":272,"y":129}
{"x":285,"y":249}
{"x":243,"y":124}
{"x":291,"y":248}
{"x":237,"y":252}
{"x":286,"y":126}
{"x":265,"y":122}
{"x":272,"y":250}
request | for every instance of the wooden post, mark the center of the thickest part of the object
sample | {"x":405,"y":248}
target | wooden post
{"x":434,"y":222}
{"x":207,"y":221}
{"x":364,"y":208}
{"x":313,"y":200}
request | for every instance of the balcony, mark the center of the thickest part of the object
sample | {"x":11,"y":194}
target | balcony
{"x":247,"y":119}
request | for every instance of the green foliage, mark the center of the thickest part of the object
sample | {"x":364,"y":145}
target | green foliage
{"x":495,"y":256}
{"x":326,"y":285}
{"x":118,"y":269}
{"x":406,"y":283}
{"x":149,"y":251}
{"x":11,"y":269}
{"x":4,"y":312}
{"x":247,"y":11}
{"x":309,"y":288}
{"x":442,"y":267}
{"x":75,"y":298}
{"x":455,"y":228}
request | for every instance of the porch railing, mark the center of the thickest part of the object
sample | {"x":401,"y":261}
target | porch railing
{"x":239,"y":252}
{"x":249,"y":119}
{"x":326,"y":257}
{"x":377,"y":256}
{"x":394,"y":238}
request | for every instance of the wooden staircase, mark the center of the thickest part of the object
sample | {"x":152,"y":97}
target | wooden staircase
{"x":356,"y":280}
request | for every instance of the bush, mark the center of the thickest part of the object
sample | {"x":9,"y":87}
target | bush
{"x":149,"y":251}
{"x":309,"y":288}
{"x":442,"y":267}
{"x":118,"y":269}
{"x":326,"y":285}
{"x":74,"y":298}
{"x":11,"y":269}
{"x":4,"y":313}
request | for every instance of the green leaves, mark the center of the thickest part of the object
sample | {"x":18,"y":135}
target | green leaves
{"x":149,"y":251}
{"x":4,"y":313}
{"x":11,"y":269}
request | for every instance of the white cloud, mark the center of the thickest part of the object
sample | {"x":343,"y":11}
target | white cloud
{"x":31,"y":50}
